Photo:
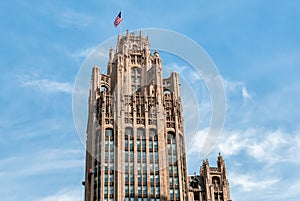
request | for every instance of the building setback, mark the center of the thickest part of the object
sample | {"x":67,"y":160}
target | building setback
{"x":135,"y":134}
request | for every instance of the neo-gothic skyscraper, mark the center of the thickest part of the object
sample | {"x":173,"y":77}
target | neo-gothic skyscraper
{"x":135,"y":134}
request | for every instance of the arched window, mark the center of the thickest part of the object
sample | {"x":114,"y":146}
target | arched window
{"x":128,"y":132}
{"x":152,"y":132}
{"x":216,"y":181}
{"x":103,"y":88}
{"x":141,"y":132}
{"x":135,"y":79}
{"x":108,"y":132}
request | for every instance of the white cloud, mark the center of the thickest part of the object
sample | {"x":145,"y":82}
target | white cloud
{"x":41,"y":162}
{"x":251,"y":182}
{"x":245,"y":93}
{"x":237,"y":87}
{"x":46,"y":85}
{"x":263,"y":145}
{"x":64,"y":195}
{"x":170,"y":67}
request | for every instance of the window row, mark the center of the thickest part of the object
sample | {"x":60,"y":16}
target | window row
{"x":174,"y":192}
{"x":141,"y":144}
{"x":140,"y":132}
{"x":142,"y":190}
{"x":142,"y":178}
{"x":141,"y":199}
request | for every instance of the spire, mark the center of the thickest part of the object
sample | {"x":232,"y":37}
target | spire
{"x":220,"y":161}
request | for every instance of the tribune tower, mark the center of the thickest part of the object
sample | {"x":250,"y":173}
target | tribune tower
{"x":135,"y":134}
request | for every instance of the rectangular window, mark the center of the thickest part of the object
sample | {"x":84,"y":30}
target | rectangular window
{"x":177,"y":193}
{"x":155,"y":144}
{"x":157,"y":190}
{"x":131,"y":178}
{"x":156,"y":156}
{"x":131,"y":143}
{"x":151,"y":155}
{"x":171,"y":181}
{"x":144,"y":144}
{"x":171,"y":192}
{"x":105,"y":190}
{"x":150,"y":144}
{"x":176,"y":181}
{"x":144,"y":165}
{"x":144,"y":178}
{"x":151,"y":167}
{"x":131,"y":189}
{"x":156,"y":167}
{"x":170,"y":169}
{"x":144,"y":155}
{"x":111,"y":190}
{"x":126,"y":189}
{"x":152,"y":190}
{"x":145,"y":190}
{"x":140,"y":190}
{"x":216,"y":196}
{"x":152,"y":178}
{"x":111,"y":178}
{"x":126,"y":177}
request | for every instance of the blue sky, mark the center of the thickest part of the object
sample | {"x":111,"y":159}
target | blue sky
{"x":255,"y":45}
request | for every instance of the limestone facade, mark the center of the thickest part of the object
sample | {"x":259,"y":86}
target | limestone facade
{"x":212,"y":183}
{"x":135,"y":134}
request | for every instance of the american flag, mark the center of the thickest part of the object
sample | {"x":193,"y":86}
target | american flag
{"x":118,"y":19}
